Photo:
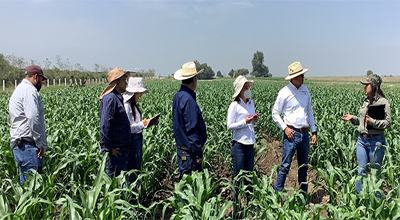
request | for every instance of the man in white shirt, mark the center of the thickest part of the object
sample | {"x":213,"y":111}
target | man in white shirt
{"x":28,"y":131}
{"x":294,"y":101}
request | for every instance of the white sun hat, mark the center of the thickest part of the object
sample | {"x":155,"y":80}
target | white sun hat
{"x":239,"y":83}
{"x":295,"y":70}
{"x":187,"y":71}
{"x":135,"y":85}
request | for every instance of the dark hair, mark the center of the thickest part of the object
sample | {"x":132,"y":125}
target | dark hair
{"x":133,"y":106}
{"x":376,"y":92}
{"x":237,"y":98}
{"x":188,"y":81}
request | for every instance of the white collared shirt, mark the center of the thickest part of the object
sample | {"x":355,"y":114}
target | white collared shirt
{"x":137,"y":125}
{"x":296,"y":107}
{"x":237,"y":112}
{"x":27,"y":115}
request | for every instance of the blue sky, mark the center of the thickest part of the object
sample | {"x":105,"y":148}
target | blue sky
{"x":330,"y":38}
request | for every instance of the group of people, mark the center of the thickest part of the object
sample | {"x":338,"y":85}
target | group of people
{"x":122,"y":125}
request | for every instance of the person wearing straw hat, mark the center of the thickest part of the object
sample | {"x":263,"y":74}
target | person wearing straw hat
{"x":188,"y":123}
{"x":371,"y":126}
{"x":133,"y":93}
{"x":28,"y":130}
{"x":241,"y":120}
{"x":114,"y":123}
{"x":294,"y":101}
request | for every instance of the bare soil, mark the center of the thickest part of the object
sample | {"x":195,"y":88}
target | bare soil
{"x":264,"y":163}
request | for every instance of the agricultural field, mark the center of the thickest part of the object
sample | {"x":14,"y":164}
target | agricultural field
{"x":75,"y":186}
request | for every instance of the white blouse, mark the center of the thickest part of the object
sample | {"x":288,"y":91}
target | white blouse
{"x":242,"y":132}
{"x":137,"y":125}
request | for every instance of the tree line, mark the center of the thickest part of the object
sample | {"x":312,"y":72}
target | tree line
{"x":13,"y":68}
{"x":259,"y":69}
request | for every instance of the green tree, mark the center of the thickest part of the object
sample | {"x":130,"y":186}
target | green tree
{"x":231,"y":73}
{"x":242,"y":72}
{"x":219,"y":74}
{"x":208,"y":72}
{"x":369,"y":72}
{"x":259,"y":68}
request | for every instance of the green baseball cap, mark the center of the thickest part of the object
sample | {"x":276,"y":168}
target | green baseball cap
{"x":372,"y":79}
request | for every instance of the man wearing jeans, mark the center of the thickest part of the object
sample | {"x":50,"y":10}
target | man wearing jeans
{"x":295,"y":102}
{"x":188,"y":123}
{"x":28,"y":131}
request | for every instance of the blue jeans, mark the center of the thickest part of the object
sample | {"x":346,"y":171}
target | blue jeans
{"x":135,"y":155}
{"x":114,"y":164}
{"x":187,"y":162}
{"x":26,"y":157}
{"x":242,"y":159}
{"x":369,"y":150}
{"x":301,"y":145}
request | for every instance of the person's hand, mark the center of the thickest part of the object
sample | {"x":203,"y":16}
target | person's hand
{"x":347,"y":117}
{"x":200,"y":160}
{"x":146,"y":122}
{"x":255,"y":117}
{"x":41,"y":153}
{"x":314,"y":139}
{"x":115,"y":152}
{"x":367,"y":119}
{"x":289,"y":133}
{"x":248,"y":119}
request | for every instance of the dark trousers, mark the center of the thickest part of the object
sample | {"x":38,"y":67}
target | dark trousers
{"x":25,"y":154}
{"x":135,"y":156}
{"x":187,"y":162}
{"x":301,"y":145}
{"x":242,"y":159}
{"x":116,"y":164}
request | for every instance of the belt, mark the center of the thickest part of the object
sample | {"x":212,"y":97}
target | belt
{"x":184,"y":148}
{"x":368,"y":135}
{"x":22,"y":141}
{"x":302,"y":130}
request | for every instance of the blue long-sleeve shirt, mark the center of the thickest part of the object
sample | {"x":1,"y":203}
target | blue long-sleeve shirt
{"x":114,"y":123}
{"x":188,"y":123}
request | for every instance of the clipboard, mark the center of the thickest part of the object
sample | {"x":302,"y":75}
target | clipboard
{"x":153,"y":120}
{"x":376,"y":112}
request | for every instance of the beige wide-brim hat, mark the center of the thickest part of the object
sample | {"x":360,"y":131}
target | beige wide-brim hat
{"x":135,"y":85}
{"x":295,"y":70}
{"x":238,"y":85}
{"x":112,"y":78}
{"x":187,"y":71}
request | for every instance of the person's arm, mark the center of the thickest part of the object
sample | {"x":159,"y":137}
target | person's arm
{"x":310,"y":116}
{"x":191,"y":114}
{"x":277,"y":109}
{"x":384,"y":123}
{"x":136,"y":127}
{"x":107,"y":113}
{"x":231,"y":124}
{"x":311,"y":122}
{"x":355,"y":120}
{"x":31,"y":110}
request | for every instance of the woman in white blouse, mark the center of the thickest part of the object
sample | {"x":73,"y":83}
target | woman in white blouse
{"x":134,"y":91}
{"x":241,"y":120}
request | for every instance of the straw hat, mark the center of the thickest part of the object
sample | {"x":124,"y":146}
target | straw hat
{"x":112,"y":78}
{"x":239,"y":83}
{"x":295,"y":70}
{"x":135,"y":85}
{"x":188,"y":71}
